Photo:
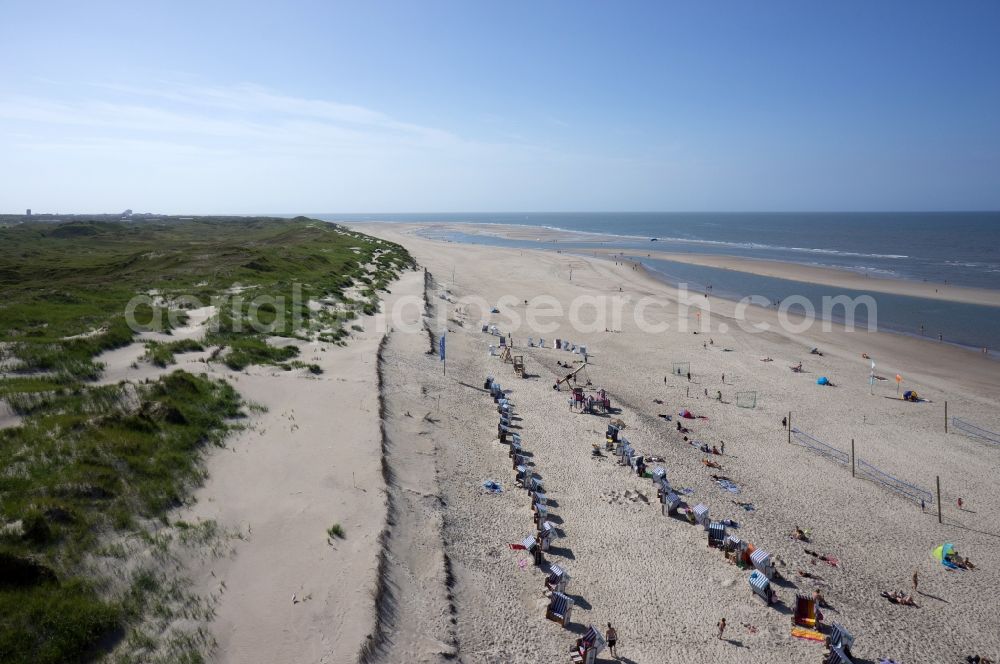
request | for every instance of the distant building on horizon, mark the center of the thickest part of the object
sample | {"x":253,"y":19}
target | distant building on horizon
{"x":28,"y":213}
{"x":126,"y":214}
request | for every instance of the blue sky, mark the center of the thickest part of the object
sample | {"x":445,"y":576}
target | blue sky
{"x":252,"y":107}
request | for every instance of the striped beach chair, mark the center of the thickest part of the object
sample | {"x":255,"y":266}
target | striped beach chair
{"x":529,"y":543}
{"x":663,"y":489}
{"x":736,"y":551}
{"x":659,"y":474}
{"x":761,"y":587}
{"x":539,"y":498}
{"x":838,"y":655}
{"x":840,"y":637}
{"x":515,"y":446}
{"x":521,"y":476}
{"x":592,"y":644}
{"x":701,"y":515}
{"x":761,"y":560}
{"x":716,"y":534}
{"x":533,"y":484}
{"x":541,"y":512}
{"x":671,"y":501}
{"x":560,"y":609}
{"x":546,"y":533}
{"x":557,"y":580}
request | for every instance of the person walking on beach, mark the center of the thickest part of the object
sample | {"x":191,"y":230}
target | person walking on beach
{"x":723,"y":379}
{"x":689,"y":376}
{"x":959,"y":503}
{"x":722,"y":627}
{"x":915,"y":580}
{"x":611,"y":636}
{"x":722,"y":447}
{"x":784,"y":422}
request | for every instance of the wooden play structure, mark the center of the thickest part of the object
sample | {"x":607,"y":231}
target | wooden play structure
{"x":571,"y":376}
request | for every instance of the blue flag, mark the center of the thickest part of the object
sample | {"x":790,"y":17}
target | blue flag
{"x":441,"y":348}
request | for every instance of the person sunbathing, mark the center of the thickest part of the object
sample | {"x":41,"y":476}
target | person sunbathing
{"x":809,"y":575}
{"x":899,"y":597}
{"x":711,"y":464}
{"x":800,"y":535}
{"x":964,"y":563}
{"x":715,"y":450}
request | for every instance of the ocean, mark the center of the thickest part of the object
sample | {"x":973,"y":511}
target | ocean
{"x":961,"y":248}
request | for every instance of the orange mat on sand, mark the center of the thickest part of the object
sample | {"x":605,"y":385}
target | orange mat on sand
{"x":811,"y":634}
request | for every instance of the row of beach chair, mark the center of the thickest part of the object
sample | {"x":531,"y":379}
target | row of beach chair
{"x":560,"y":605}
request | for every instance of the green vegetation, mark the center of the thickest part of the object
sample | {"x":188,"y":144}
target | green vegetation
{"x":336,"y":531}
{"x":162,"y":354}
{"x":90,"y":463}
{"x":92,"y":470}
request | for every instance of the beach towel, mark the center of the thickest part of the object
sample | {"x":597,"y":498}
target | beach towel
{"x":492,"y":487}
{"x":728,"y":486}
{"x":809,"y":634}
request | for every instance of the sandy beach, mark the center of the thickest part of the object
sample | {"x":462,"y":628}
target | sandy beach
{"x":653,"y":576}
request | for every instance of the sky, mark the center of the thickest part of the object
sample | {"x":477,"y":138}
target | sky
{"x":438,"y":106}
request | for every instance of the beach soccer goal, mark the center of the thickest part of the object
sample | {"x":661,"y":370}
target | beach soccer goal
{"x":746,"y":399}
{"x":681,"y":368}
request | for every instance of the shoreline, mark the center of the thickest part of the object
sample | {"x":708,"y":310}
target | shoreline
{"x":655,"y":275}
{"x":408,"y":230}
{"x":812,"y":274}
{"x":829,"y":276}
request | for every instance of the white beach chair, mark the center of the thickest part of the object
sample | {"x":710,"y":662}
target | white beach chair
{"x":762,"y":562}
{"x":701,"y":515}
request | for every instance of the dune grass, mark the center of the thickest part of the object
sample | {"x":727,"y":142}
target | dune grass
{"x":91,"y":466}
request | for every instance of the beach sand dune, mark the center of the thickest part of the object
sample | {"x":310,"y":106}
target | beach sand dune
{"x":312,"y":457}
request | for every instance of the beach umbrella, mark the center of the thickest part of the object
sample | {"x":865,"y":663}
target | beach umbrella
{"x":822,"y":380}
{"x":942,"y":552}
